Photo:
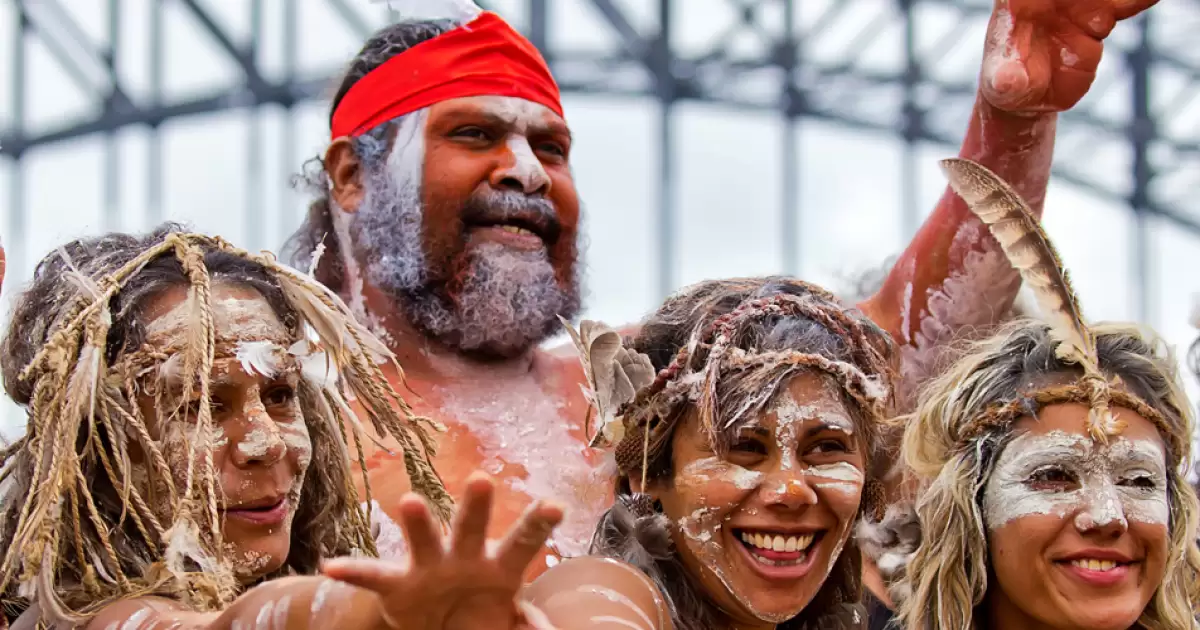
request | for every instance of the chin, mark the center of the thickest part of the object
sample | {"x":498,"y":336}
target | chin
{"x":260,"y":557}
{"x":1104,"y":617}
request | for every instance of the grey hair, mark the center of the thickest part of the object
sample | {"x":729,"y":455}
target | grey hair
{"x":371,"y":148}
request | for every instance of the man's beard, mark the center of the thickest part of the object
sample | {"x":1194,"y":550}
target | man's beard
{"x":487,"y":300}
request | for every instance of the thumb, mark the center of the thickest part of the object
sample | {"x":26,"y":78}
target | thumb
{"x":379,"y":576}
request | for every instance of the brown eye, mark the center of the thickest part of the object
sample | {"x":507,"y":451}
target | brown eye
{"x":1051,"y":478}
{"x":553,"y":149}
{"x":748,"y":445}
{"x":830,"y":447}
{"x":470,"y":133}
{"x":279,"y":396}
{"x":1145,"y":482}
{"x":214,"y":404}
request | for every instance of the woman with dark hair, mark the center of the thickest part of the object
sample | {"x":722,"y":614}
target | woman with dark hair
{"x":745,"y":423}
{"x":188,"y":439}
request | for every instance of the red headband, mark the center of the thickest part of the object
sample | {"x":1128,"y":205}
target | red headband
{"x":485,"y":57}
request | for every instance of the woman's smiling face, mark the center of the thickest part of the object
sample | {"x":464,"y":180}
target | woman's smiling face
{"x":761,"y":526}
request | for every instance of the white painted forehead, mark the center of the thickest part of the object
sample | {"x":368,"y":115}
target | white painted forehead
{"x":248,"y":318}
{"x":511,"y":108}
{"x":1055,"y":443}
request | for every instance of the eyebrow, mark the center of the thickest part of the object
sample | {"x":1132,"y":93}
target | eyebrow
{"x":825,"y":426}
{"x":554,"y":127}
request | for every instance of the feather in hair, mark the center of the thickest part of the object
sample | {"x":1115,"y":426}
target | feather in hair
{"x":1029,"y":250}
{"x":457,"y":10}
{"x":1032,"y":254}
{"x":614,"y":374}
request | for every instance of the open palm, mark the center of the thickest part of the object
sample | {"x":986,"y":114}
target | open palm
{"x":1042,"y":55}
{"x":465,"y":585}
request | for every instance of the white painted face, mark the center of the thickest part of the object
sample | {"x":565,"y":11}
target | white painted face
{"x":260,"y":445}
{"x":1067,"y":474}
{"x":1078,"y":531}
{"x":761,"y":526}
{"x":472,"y":222}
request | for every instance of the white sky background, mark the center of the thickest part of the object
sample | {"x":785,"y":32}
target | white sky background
{"x":728,"y":165}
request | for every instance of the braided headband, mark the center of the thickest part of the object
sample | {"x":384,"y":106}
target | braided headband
{"x":633,"y":401}
{"x":999,"y":415}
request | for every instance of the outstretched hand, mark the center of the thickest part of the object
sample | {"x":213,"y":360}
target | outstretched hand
{"x":462,"y":585}
{"x":1042,"y":55}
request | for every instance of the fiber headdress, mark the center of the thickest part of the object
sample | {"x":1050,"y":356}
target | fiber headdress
{"x":82,"y":416}
{"x":1031,"y":253}
{"x":636,"y":405}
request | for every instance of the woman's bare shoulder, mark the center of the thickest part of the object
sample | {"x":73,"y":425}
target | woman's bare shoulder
{"x":591,"y":591}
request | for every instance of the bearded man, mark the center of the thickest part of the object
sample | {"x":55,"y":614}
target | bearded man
{"x":449,"y":218}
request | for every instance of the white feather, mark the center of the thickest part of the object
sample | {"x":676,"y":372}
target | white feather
{"x":457,"y":10}
{"x":258,"y":357}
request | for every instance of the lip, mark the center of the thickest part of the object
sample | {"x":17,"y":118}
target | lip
{"x":497,"y":233}
{"x":1109,"y":578}
{"x":1097,"y":554}
{"x":265,"y":511}
{"x":777,"y":573}
{"x":786,"y":530}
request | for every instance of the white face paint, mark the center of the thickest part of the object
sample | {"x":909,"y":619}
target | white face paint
{"x":1064,"y":474}
{"x":794,"y":483}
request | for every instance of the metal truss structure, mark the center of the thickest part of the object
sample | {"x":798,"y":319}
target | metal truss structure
{"x":807,"y":59}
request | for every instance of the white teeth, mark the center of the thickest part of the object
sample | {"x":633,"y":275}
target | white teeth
{"x":777,"y":542}
{"x":1092,"y":564}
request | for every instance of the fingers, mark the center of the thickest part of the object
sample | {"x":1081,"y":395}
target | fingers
{"x":528,"y":536}
{"x":470,"y":524}
{"x":372,"y":574}
{"x":423,"y":535}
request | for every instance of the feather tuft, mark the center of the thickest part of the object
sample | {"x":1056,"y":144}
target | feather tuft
{"x":613,"y":373}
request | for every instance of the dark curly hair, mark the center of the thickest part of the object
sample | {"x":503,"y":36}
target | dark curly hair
{"x":640,"y":536}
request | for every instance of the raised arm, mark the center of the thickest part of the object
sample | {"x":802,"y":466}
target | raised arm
{"x":1040,"y":58}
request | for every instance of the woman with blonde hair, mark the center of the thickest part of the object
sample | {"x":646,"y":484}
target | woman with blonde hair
{"x":1051,"y":464}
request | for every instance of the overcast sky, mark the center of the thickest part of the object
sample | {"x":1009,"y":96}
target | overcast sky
{"x":728,"y":164}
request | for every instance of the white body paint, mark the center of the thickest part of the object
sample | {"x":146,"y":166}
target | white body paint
{"x":1002,"y":54}
{"x":522,"y":427}
{"x":1101,"y":496}
{"x":389,"y":538}
{"x":966,"y":297}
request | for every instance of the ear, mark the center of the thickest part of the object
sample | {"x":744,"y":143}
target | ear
{"x":344,"y":170}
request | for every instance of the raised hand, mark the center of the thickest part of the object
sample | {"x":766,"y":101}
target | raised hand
{"x":1042,"y":55}
{"x":465,"y":584}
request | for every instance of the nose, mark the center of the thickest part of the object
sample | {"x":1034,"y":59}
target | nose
{"x":788,"y":491}
{"x":521,"y":171}
{"x":261,"y":443}
{"x":1103,"y":515}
